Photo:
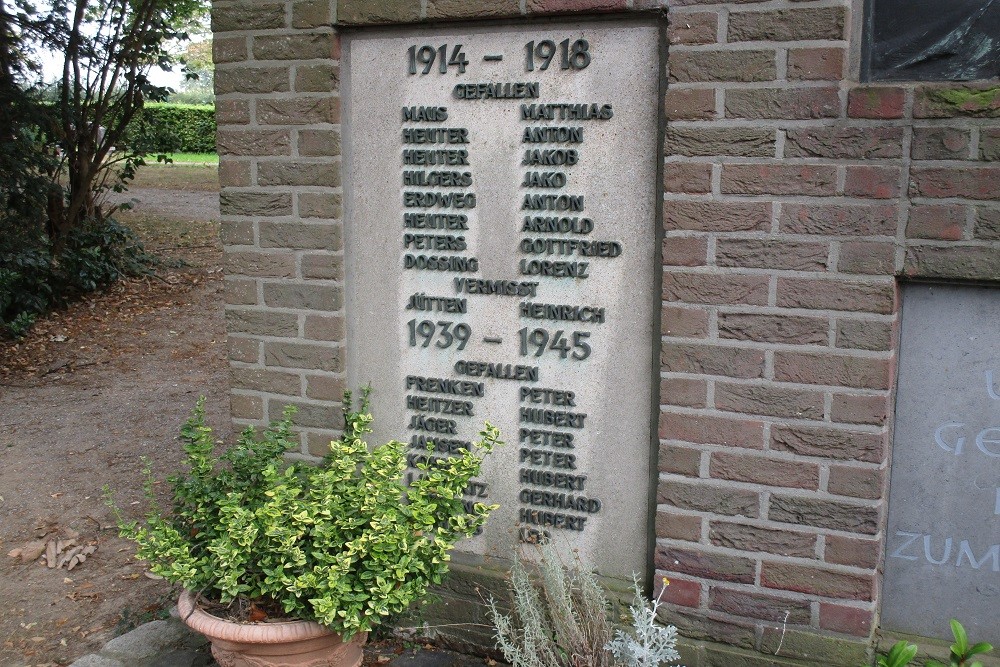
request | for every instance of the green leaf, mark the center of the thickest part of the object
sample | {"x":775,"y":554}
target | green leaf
{"x":981,"y":647}
{"x":961,"y":644}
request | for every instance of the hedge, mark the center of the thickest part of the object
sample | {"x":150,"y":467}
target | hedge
{"x":174,"y":128}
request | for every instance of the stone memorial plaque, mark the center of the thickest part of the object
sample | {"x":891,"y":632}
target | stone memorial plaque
{"x":942,"y":551}
{"x":502,"y":265}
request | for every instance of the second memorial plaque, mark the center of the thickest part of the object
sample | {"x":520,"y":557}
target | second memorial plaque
{"x":500,"y":241}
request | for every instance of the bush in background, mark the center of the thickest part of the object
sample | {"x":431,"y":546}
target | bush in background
{"x":174,"y":128}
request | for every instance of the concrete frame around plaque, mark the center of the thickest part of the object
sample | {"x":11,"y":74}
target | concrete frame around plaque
{"x":617,"y":173}
{"x":942,"y":552}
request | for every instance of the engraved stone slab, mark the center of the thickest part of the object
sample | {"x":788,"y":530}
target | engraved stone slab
{"x":502,"y":265}
{"x":942,"y":551}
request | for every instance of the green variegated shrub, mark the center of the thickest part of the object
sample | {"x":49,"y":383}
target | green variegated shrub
{"x":345,"y":543}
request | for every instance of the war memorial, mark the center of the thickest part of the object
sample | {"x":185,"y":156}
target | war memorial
{"x":723,"y":273}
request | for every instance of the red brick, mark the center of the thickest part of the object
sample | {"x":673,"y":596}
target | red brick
{"x":260,"y":264}
{"x":769,"y":400}
{"x":772,"y":254}
{"x":319,"y":327}
{"x":940,"y":143}
{"x":987,"y":226}
{"x":753,"y":539}
{"x":778,"y":179}
{"x":718,"y":628}
{"x":682,"y":592}
{"x":877,"y":258}
{"x":836,"y":295}
{"x":689,"y":103}
{"x":721,"y":289}
{"x":876,"y":102}
{"x":872,"y":182}
{"x":679,"y":460}
{"x":943,"y":223}
{"x":782,"y":103}
{"x":237,"y":232}
{"x":816,"y":580}
{"x":824,"y":513}
{"x":989,"y":144}
{"x":325,"y":387}
{"x":678,"y":526}
{"x":246,"y":407}
{"x":964,"y":181}
{"x":693,"y":28}
{"x":817,"y":64}
{"x":683,"y":322}
{"x":864,"y":335}
{"x":232,"y":112}
{"x":685,"y":251}
{"x":471,"y":9}
{"x":838,"y":220}
{"x":716,"y":216}
{"x":742,"y":467}
{"x":685,"y":392}
{"x":853,"y":409}
{"x":240,"y":292}
{"x":831,"y":369}
{"x":755,"y":605}
{"x":774,"y":328}
{"x":573,"y":6}
{"x":711,"y":360}
{"x":829,"y":443}
{"x":855,"y":482}
{"x":683,"y":3}
{"x":846,"y":620}
{"x":298,"y":110}
{"x":952,"y":262}
{"x":722,"y":65}
{"x":950,"y":100}
{"x":698,"y":496}
{"x":711,"y":430}
{"x":704,"y":564}
{"x":716,"y":141}
{"x":692,"y":177}
{"x":788,"y":25}
{"x":388,"y":11}
{"x":853,"y":551}
{"x":234,"y":174}
{"x":844,"y":142}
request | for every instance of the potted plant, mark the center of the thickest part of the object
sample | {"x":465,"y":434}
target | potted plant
{"x":301,"y":561}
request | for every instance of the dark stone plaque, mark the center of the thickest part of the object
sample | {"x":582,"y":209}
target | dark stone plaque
{"x":942,"y":551}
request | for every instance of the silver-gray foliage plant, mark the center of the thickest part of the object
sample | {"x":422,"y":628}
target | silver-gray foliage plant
{"x":649,"y":644}
{"x":562,"y":621}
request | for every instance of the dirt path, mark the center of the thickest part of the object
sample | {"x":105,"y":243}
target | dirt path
{"x":90,"y":391}
{"x":172,"y":203}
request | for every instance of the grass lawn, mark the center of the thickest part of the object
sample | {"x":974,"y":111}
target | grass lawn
{"x":187,"y":158}
{"x":178,"y":176}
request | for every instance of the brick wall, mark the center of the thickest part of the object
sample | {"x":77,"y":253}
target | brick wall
{"x":278,"y":109}
{"x":795,"y":199}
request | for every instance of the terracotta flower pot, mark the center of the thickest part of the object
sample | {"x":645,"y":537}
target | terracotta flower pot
{"x":286,"y":644}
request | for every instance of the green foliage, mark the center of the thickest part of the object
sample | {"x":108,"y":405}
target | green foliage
{"x":345,"y":543}
{"x":902,"y":653}
{"x":32,"y":280}
{"x":59,"y":156}
{"x":199,"y":70}
{"x":172,"y":128}
{"x":961,"y":652}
